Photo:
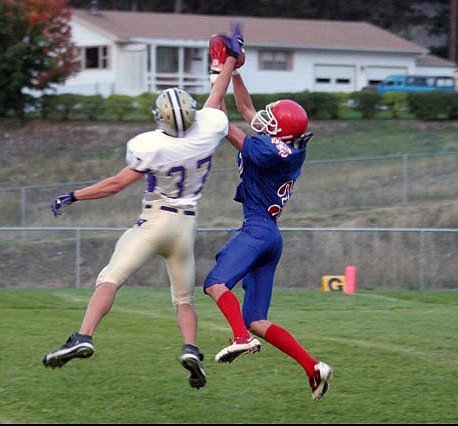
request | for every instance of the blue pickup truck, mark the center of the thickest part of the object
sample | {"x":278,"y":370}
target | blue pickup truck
{"x":416,"y":83}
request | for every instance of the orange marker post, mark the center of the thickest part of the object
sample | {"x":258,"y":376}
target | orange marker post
{"x":350,"y":280}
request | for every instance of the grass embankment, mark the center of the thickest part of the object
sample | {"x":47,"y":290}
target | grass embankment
{"x":326,"y":195}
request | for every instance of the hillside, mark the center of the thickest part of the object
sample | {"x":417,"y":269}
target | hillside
{"x":45,"y":152}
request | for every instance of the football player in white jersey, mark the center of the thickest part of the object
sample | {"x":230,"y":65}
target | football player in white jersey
{"x":175,"y":159}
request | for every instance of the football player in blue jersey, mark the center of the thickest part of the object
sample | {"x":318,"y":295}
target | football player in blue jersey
{"x":269,"y":164}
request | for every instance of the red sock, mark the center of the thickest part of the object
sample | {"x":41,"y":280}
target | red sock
{"x":284,"y":341}
{"x":230,"y":307}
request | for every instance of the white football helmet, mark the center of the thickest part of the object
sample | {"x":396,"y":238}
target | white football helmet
{"x":284,"y":119}
{"x":174,"y":111}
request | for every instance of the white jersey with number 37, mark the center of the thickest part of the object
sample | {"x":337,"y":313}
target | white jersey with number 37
{"x":177,"y":168}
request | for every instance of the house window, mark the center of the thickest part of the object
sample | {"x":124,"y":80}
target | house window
{"x":167,"y":59}
{"x":94,"y":57}
{"x":193,"y":58}
{"x":322,"y":80}
{"x":275,"y":60}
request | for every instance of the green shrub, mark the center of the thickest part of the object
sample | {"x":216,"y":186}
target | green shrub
{"x":119,"y":106}
{"x":63,"y":106}
{"x":395,"y":102}
{"x":323,"y":105}
{"x":453,"y":106}
{"x":144,"y":103}
{"x":367,"y":103}
{"x":200,"y":99}
{"x":319,"y":105}
{"x":92,"y":107}
{"x":45,"y":105}
{"x":260,"y":100}
{"x":429,"y":105}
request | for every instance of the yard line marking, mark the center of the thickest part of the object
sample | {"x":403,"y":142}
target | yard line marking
{"x":432,"y":356}
{"x":6,"y":421}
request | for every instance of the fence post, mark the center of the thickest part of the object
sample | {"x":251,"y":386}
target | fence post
{"x":78,"y":258}
{"x":405,"y":179}
{"x":23,"y":208}
{"x":422,"y":260}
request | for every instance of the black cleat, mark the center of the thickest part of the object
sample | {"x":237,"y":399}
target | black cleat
{"x":191,"y":359}
{"x":77,"y":346}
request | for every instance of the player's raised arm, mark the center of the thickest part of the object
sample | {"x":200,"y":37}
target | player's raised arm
{"x":242,"y":98}
{"x":220,"y":86}
{"x":229,"y":49}
{"x":236,"y":136}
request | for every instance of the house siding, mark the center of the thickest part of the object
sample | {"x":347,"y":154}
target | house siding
{"x":326,"y":56}
{"x":93,"y":81}
{"x":131,"y":69}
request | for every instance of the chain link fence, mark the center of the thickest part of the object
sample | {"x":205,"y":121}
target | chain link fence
{"x":388,"y":259}
{"x":37,"y":251}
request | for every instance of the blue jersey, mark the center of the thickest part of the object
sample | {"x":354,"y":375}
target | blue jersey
{"x":268,"y":169}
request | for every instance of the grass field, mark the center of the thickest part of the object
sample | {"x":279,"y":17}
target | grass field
{"x":394,"y":354}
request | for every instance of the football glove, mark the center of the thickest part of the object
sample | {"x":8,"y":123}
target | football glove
{"x":235,"y":42}
{"x":62,"y":201}
{"x":221,"y":46}
{"x":302,"y":141}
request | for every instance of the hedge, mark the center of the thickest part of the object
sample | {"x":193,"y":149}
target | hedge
{"x":319,"y":105}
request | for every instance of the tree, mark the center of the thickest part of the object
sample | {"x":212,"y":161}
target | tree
{"x":37,"y":50}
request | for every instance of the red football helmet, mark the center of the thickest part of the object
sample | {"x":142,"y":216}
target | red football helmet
{"x":284,"y":119}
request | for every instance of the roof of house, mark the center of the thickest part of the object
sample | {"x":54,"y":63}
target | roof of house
{"x":433,"y":61}
{"x":273,"y":32}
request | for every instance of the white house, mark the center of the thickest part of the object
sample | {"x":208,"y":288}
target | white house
{"x":433,"y":65}
{"x":135,"y":52}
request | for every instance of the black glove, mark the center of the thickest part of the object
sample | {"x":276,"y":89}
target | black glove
{"x":62,"y":201}
{"x":301,"y":141}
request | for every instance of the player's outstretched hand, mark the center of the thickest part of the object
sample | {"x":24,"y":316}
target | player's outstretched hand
{"x":62,"y":201}
{"x":220,"y":46}
{"x":235,"y":41}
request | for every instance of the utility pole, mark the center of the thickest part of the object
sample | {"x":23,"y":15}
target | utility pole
{"x":453,"y":34}
{"x":178,"y":6}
